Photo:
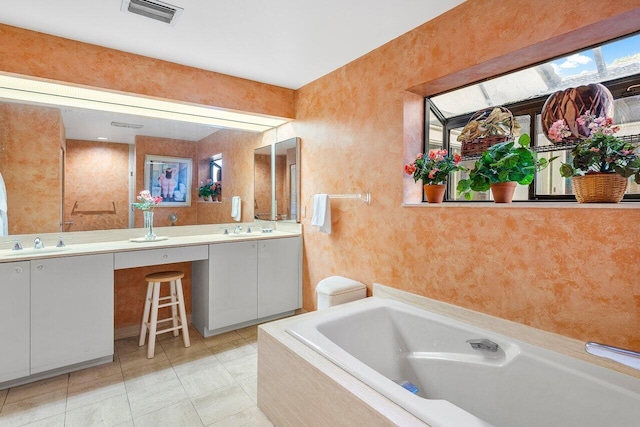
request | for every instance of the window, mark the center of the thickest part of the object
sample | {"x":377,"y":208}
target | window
{"x":524,"y":92}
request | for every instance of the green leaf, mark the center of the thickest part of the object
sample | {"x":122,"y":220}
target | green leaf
{"x":524,"y":140}
{"x":566,"y":170}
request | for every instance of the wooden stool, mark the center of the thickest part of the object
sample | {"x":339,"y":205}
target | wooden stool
{"x":152,"y":304}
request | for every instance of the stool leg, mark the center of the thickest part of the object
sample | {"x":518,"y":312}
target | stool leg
{"x":153,"y":324}
{"x":183,"y":314}
{"x":145,"y":316}
{"x":174,"y":309}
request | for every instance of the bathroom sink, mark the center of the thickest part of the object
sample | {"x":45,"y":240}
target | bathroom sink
{"x":27,"y":252}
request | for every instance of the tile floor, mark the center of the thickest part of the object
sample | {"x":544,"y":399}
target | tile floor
{"x":211,"y":383}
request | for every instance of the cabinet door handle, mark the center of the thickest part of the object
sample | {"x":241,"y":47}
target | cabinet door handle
{"x":263,"y":245}
{"x":40,"y":267}
{"x":165,"y":256}
{"x":18,"y":270}
{"x":253,"y":245}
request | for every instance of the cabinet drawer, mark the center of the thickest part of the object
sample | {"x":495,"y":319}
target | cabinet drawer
{"x":160,"y":256}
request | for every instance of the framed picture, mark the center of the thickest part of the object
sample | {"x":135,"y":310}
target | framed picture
{"x":169,"y":178}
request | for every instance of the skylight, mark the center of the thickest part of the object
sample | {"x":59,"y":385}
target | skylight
{"x":610,"y":61}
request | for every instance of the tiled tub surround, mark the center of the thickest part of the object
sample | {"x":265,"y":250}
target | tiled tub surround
{"x":35,"y":277}
{"x":211,"y":383}
{"x":289,"y":396}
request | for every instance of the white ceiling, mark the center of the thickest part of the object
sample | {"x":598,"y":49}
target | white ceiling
{"x":286,"y":43}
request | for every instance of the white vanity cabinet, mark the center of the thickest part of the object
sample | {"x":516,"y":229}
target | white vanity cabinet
{"x":233,"y":295}
{"x":245,"y":282}
{"x":279,"y":276}
{"x":71,"y":310}
{"x":15,"y":320}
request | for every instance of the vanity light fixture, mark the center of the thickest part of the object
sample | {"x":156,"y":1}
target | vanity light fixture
{"x":41,"y":91}
{"x":160,"y":11}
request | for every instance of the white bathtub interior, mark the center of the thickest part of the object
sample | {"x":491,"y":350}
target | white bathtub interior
{"x":381,"y":341}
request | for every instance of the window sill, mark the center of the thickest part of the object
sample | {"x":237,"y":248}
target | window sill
{"x":525,"y":205}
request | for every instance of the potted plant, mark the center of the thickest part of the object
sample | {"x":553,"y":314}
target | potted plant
{"x":602,"y":163}
{"x":205,"y":190}
{"x":501,"y":167}
{"x":434,"y":169}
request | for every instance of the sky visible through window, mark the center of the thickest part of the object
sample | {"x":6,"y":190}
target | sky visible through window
{"x":610,"y":61}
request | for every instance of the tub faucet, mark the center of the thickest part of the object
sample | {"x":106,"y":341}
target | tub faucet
{"x":483,"y":344}
{"x":620,"y":355}
{"x":38,"y":244}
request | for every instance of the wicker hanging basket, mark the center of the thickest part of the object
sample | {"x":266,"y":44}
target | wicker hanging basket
{"x":483,"y":141}
{"x":599,"y":187}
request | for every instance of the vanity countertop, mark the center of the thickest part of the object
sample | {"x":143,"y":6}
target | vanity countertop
{"x":112,"y":241}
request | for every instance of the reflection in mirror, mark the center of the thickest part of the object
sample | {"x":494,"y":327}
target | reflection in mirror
{"x":262,"y":183}
{"x":75,"y":162}
{"x":211,"y":189}
{"x":68,"y":168}
{"x":287,"y":182}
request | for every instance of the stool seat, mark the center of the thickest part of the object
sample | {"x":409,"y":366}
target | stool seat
{"x":175,"y":300}
{"x":164,"y":276}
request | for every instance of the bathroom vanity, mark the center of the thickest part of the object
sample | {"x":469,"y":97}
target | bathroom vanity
{"x":57,"y":304}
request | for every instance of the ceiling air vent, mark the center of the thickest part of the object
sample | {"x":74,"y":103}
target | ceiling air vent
{"x":127,"y":125}
{"x":160,"y":11}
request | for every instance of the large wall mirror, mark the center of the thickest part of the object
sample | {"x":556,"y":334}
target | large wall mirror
{"x":277,"y":181}
{"x":68,"y":168}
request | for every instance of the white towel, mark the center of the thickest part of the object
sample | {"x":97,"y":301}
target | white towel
{"x":236,"y":208}
{"x":4,"y":220}
{"x":322,"y":213}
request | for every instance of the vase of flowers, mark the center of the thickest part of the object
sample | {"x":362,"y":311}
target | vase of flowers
{"x":147,"y":203}
{"x":602,"y":163}
{"x":434,"y":169}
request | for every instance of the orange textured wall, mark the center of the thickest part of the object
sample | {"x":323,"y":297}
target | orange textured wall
{"x":149,"y":145}
{"x":97,"y":185}
{"x":570,"y":271}
{"x":30,"y":143}
{"x":237,"y":173}
{"x":36,"y":54}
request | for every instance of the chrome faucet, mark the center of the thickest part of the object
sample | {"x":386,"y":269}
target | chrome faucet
{"x":237,"y":230}
{"x":38,"y":244}
{"x":483,"y":344}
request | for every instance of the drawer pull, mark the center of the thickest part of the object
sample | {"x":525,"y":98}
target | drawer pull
{"x":165,"y":256}
{"x":18,"y":270}
{"x":40,"y":267}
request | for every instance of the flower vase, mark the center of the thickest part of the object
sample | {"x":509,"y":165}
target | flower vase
{"x":435,"y":192}
{"x":148,"y":224}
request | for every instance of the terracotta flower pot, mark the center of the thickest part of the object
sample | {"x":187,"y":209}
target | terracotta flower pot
{"x":503,"y":191}
{"x":435,"y":192}
{"x":599,"y":187}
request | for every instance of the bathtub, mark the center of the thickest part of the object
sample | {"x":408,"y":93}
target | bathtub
{"x":384,"y":342}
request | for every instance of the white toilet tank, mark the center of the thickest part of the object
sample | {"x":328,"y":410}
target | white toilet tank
{"x":336,"y":290}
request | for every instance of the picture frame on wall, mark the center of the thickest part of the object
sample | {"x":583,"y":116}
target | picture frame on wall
{"x":169,"y":178}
